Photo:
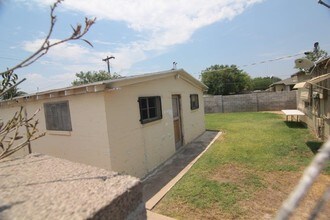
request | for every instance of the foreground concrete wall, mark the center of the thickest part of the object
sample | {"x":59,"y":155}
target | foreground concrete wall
{"x":86,"y":143}
{"x":138,"y":148}
{"x":43,"y":187}
{"x":267,"y":101}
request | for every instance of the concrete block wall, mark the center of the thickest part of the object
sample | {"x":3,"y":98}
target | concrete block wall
{"x":213,"y":104}
{"x":240,"y":103}
{"x":276,"y":101}
{"x":42,"y":187}
{"x":253,"y":102}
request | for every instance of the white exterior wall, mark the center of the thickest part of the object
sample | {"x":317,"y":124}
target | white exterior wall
{"x":138,"y":148}
{"x":107,"y":132}
{"x":86,"y":143}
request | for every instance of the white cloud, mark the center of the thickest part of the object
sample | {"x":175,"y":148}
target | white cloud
{"x":64,"y":51}
{"x":39,"y":82}
{"x":78,"y":58}
{"x":167,"y":22}
{"x":164,"y":23}
{"x":161,"y":24}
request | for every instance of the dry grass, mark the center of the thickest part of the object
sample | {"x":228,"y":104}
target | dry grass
{"x":262,"y":203}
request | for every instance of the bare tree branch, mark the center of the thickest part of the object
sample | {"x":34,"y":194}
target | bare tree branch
{"x":323,"y":3}
{"x":9,"y":132}
{"x":77,"y":34}
{"x":12,"y":87}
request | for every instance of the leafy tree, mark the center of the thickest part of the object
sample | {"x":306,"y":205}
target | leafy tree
{"x":224,"y":80}
{"x":263,"y":83}
{"x":93,"y":76}
{"x":12,"y":93}
{"x":316,"y":54}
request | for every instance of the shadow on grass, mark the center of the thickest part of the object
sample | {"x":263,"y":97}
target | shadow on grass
{"x":295,"y":124}
{"x":314,"y":146}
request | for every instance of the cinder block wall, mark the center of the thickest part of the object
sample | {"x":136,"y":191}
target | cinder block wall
{"x":265,"y":101}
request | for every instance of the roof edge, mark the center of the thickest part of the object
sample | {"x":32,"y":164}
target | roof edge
{"x":102,"y":85}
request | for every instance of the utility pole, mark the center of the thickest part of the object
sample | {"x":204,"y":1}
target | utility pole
{"x":108,"y":62}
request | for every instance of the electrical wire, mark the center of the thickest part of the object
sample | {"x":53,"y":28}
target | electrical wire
{"x":272,"y":60}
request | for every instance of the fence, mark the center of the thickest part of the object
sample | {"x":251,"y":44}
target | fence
{"x":253,"y":102}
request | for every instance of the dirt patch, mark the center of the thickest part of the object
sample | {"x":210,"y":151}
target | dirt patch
{"x":182,"y":210}
{"x":265,"y":202}
{"x":230,"y":173}
{"x":266,"y":198}
{"x":274,"y":112}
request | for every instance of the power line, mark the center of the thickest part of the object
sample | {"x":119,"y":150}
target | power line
{"x":272,"y":60}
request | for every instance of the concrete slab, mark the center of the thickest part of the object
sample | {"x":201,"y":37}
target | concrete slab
{"x":42,"y":187}
{"x":157,"y":184}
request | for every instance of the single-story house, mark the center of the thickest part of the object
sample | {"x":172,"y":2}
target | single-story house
{"x":313,"y":97}
{"x":129,"y":125}
{"x":283,"y":85}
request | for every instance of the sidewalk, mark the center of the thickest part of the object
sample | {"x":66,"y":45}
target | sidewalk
{"x":158,"y":183}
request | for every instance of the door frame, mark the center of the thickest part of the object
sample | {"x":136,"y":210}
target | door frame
{"x":177,"y":98}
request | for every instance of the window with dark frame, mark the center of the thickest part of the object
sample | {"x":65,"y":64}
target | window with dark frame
{"x":194,"y":103}
{"x":57,"y":116}
{"x":150,"y":109}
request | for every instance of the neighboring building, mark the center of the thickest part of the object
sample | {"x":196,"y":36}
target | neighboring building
{"x":313,"y":97}
{"x":283,"y":85}
{"x":129,"y":125}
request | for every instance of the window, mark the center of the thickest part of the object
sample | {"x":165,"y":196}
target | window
{"x":57,"y":116}
{"x":194,"y":103}
{"x":150,"y":109}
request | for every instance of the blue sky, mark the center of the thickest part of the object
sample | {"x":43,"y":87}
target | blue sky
{"x":147,"y":36}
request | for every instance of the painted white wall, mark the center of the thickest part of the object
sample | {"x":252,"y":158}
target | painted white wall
{"x":88,"y":140}
{"x":107,"y":132}
{"x":139,"y":148}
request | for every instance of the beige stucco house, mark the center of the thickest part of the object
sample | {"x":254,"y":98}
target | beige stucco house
{"x":313,"y":97}
{"x":283,"y":85}
{"x":129,"y":125}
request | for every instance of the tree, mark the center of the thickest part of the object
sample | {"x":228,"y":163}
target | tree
{"x":15,"y":92}
{"x":316,"y":54}
{"x":10,"y":138}
{"x":93,"y":76}
{"x":263,"y":83}
{"x":224,"y":80}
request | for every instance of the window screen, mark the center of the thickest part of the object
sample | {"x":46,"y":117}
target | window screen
{"x":57,"y":116}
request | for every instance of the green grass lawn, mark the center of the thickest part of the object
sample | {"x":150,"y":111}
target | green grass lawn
{"x":256,"y":155}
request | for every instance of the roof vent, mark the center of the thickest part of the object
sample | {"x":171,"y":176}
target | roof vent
{"x":174,"y":65}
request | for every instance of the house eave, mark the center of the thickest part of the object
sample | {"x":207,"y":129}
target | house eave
{"x":108,"y":85}
{"x":56,"y":93}
{"x":177,"y":74}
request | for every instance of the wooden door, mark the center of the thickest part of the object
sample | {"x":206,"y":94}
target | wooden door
{"x":176,"y":108}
